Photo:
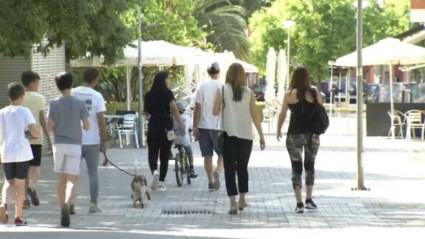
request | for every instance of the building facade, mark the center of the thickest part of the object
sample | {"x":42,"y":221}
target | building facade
{"x":47,"y":67}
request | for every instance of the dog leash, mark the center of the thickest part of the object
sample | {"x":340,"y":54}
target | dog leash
{"x":106,"y":161}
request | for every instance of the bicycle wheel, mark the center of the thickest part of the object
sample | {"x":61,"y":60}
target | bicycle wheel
{"x":187,"y":170}
{"x":177,"y":168}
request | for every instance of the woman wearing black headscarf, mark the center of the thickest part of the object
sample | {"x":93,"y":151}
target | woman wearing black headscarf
{"x":159,"y":105}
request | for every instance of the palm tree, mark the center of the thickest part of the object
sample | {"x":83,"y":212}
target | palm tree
{"x":225,"y":25}
{"x":252,"y":6}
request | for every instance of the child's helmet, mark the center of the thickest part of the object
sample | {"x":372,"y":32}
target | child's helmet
{"x":181,"y":106}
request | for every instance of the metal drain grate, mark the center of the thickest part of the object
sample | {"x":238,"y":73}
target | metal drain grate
{"x":186,"y":211}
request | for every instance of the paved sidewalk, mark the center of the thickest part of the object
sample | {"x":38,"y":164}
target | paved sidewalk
{"x":394,"y":205}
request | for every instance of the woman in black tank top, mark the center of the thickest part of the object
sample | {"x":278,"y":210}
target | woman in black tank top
{"x":299,"y":100}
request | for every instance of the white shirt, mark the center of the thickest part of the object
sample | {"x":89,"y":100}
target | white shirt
{"x":237,"y":120}
{"x":205,"y":95}
{"x":95,"y":104}
{"x":183,"y":140}
{"x":14,"y":121}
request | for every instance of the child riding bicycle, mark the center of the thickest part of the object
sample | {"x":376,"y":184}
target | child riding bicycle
{"x":185,"y":140}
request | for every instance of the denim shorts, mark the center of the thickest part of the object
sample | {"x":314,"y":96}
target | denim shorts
{"x":206,"y":143}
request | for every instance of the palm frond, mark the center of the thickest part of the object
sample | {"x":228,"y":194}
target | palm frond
{"x":225,"y":25}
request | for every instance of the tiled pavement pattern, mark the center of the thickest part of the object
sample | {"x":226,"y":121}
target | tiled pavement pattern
{"x":396,"y":199}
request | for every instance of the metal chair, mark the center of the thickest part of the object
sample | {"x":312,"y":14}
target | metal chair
{"x":414,"y":121}
{"x":398,"y":119}
{"x":128,"y":128}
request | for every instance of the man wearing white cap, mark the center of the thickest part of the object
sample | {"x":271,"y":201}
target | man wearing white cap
{"x":205,"y":123}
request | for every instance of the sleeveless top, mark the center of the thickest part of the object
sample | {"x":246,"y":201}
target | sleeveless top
{"x":299,"y":122}
{"x":237,"y":119}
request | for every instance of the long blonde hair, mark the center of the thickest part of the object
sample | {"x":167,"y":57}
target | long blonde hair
{"x":236,"y":77}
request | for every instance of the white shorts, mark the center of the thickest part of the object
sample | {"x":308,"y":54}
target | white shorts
{"x":67,"y":158}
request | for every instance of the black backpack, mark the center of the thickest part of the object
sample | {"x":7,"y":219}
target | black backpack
{"x":319,"y":117}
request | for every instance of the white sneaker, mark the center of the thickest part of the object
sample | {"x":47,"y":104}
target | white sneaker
{"x":161,"y":187}
{"x":155,"y":181}
{"x":94,"y":208}
{"x":311,"y":206}
{"x":299,"y":208}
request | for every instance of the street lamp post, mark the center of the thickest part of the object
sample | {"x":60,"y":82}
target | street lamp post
{"x":360,"y":174}
{"x":288,"y":25}
{"x":141,"y":128}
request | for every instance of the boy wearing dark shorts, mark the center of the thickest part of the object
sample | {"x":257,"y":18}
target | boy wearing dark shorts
{"x":17,"y":124}
{"x":36,"y":103}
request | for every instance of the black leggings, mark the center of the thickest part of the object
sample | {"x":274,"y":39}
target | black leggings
{"x":236,"y":154}
{"x":158,"y":145}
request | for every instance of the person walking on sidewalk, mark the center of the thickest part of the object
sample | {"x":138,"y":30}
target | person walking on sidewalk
{"x":236,"y":102}
{"x":36,"y":103}
{"x":65,"y":117}
{"x":205,"y":125}
{"x":159,"y":105}
{"x":300,"y":100}
{"x":17,"y":124}
{"x":95,"y":138}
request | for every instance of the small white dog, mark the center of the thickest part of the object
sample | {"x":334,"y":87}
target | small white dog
{"x":139,"y":188}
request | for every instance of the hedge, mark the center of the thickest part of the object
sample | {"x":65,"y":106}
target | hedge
{"x":112,"y":107}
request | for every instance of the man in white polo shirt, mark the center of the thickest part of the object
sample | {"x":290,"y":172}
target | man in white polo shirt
{"x":205,"y":123}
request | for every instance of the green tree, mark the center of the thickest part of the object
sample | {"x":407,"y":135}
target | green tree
{"x":324,"y":30}
{"x":166,"y":20}
{"x":93,"y":26}
{"x":225,"y":25}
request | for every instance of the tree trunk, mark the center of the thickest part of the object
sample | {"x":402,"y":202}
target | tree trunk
{"x":319,"y":84}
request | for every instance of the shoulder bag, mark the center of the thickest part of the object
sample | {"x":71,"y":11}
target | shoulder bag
{"x":319,"y":117}
{"x":219,"y":134}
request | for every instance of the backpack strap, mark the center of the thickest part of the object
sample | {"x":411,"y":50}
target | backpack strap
{"x":314,"y":95}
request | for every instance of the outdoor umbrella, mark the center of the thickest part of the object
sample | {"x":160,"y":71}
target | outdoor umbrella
{"x":154,"y":53}
{"x":229,"y":58}
{"x":189,"y":71}
{"x":270,"y":95}
{"x":281,"y":75}
{"x":247,"y":67}
{"x":390,"y":52}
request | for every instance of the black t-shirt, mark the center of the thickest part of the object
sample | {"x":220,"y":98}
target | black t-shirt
{"x":157,"y":104}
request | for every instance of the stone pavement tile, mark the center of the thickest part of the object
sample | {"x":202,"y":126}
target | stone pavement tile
{"x":271,"y":200}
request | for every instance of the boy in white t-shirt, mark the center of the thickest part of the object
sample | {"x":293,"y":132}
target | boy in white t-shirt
{"x":15,"y":122}
{"x":185,"y":139}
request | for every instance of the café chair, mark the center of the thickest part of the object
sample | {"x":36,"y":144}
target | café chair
{"x":414,"y":121}
{"x":399,"y":120}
